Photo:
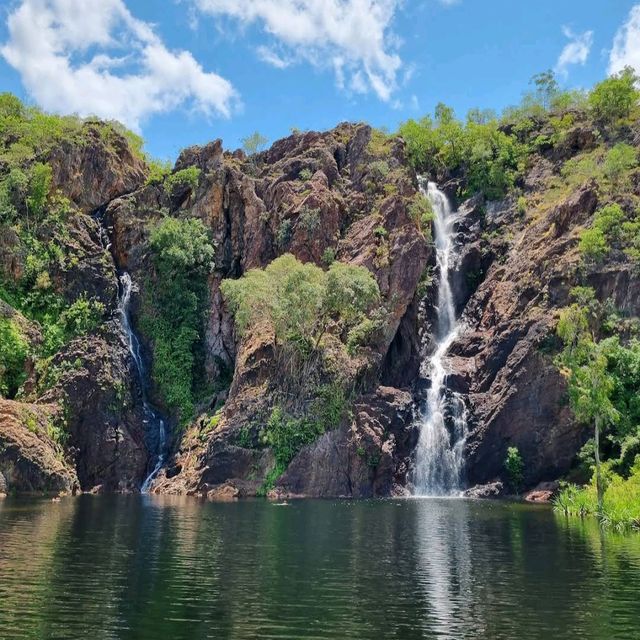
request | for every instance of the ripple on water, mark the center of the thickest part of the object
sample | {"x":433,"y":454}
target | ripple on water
{"x":146,"y":567}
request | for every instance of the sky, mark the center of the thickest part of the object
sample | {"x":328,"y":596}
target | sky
{"x":183,"y":72}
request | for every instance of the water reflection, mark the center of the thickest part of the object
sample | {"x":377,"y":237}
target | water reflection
{"x":155,"y":567}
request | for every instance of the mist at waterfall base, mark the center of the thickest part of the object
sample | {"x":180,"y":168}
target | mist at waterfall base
{"x":439,"y":457}
{"x":155,"y":426}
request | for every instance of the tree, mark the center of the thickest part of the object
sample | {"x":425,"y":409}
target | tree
{"x":253,"y":143}
{"x":546,"y":87}
{"x":612,"y":99}
{"x":300,"y":302}
{"x":584,"y":363}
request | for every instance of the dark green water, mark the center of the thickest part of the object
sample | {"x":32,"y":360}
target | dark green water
{"x":155,"y":568}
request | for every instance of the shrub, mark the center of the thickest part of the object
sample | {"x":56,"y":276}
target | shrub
{"x":253,"y":143}
{"x":309,"y":219}
{"x":284,"y":233}
{"x":593,"y":244}
{"x":421,"y":213}
{"x":181,"y":180}
{"x":13,"y":353}
{"x":618,"y":162}
{"x":491,"y":159}
{"x":514,"y":467}
{"x":305,"y":174}
{"x":158,"y":171}
{"x":328,"y":256}
{"x":379,"y":170}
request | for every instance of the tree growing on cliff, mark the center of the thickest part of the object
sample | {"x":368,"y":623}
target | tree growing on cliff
{"x":253,"y":143}
{"x":613,"y":99}
{"x":300,"y":302}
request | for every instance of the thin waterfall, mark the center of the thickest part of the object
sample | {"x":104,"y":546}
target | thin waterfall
{"x":443,"y":420}
{"x":154,"y":423}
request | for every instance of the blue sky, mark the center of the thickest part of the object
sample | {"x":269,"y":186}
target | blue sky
{"x":188,"y":71}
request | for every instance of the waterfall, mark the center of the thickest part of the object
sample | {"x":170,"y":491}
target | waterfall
{"x":443,"y":421}
{"x":154,"y":423}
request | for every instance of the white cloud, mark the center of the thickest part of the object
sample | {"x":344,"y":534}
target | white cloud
{"x":626,"y":45}
{"x":102,"y":61}
{"x":352,"y":37}
{"x":576,"y":51}
{"x":271,"y":57}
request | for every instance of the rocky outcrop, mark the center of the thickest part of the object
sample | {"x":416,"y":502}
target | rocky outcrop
{"x":30,"y":461}
{"x":96,"y":169}
{"x":369,"y":457}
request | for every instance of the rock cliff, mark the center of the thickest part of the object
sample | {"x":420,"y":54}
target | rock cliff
{"x":348,"y":195}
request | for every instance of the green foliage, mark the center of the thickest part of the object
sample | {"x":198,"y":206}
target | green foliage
{"x":284,"y":233}
{"x":286,"y":434}
{"x":593,"y":244}
{"x":305,"y":174}
{"x":379,"y":144}
{"x":309,"y":219}
{"x":253,"y":143}
{"x":300,"y":301}
{"x":620,"y":505}
{"x":379,"y":170}
{"x":181,"y":180}
{"x":158,"y":171}
{"x":13,"y":353}
{"x":173,"y":307}
{"x":514,"y":466}
{"x":618,"y":162}
{"x":421,"y":212}
{"x":613,"y":99}
{"x":611,"y":229}
{"x":328,"y":256}
{"x":490,"y":159}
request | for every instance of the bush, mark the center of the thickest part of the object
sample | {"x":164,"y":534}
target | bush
{"x":593,"y":244}
{"x":13,"y":353}
{"x":158,"y":172}
{"x":421,"y":212}
{"x":309,"y":220}
{"x":284,"y":234}
{"x":182,"y":180}
{"x":305,"y":174}
{"x":514,"y":466}
{"x":619,"y":161}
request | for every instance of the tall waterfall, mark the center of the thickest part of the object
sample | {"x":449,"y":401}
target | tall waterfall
{"x":443,"y":420}
{"x":154,"y":424}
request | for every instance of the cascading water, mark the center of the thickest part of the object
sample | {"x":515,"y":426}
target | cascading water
{"x":154,"y":424}
{"x":443,"y":420}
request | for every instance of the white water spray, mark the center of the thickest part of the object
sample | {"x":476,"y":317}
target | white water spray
{"x":443,"y":420}
{"x":152,"y":419}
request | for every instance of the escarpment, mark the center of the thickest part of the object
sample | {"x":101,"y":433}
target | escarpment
{"x":323,"y":408}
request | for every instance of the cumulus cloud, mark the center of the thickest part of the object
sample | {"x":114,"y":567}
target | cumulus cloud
{"x":351,"y":37}
{"x":103,"y":61}
{"x":626,"y":44}
{"x":576,"y":51}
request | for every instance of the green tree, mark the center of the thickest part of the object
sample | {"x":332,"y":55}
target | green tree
{"x":613,"y":99}
{"x":301,"y":301}
{"x":547,"y":87}
{"x":253,"y":143}
{"x":13,"y":352}
{"x":514,"y":466}
{"x":585,"y":365}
